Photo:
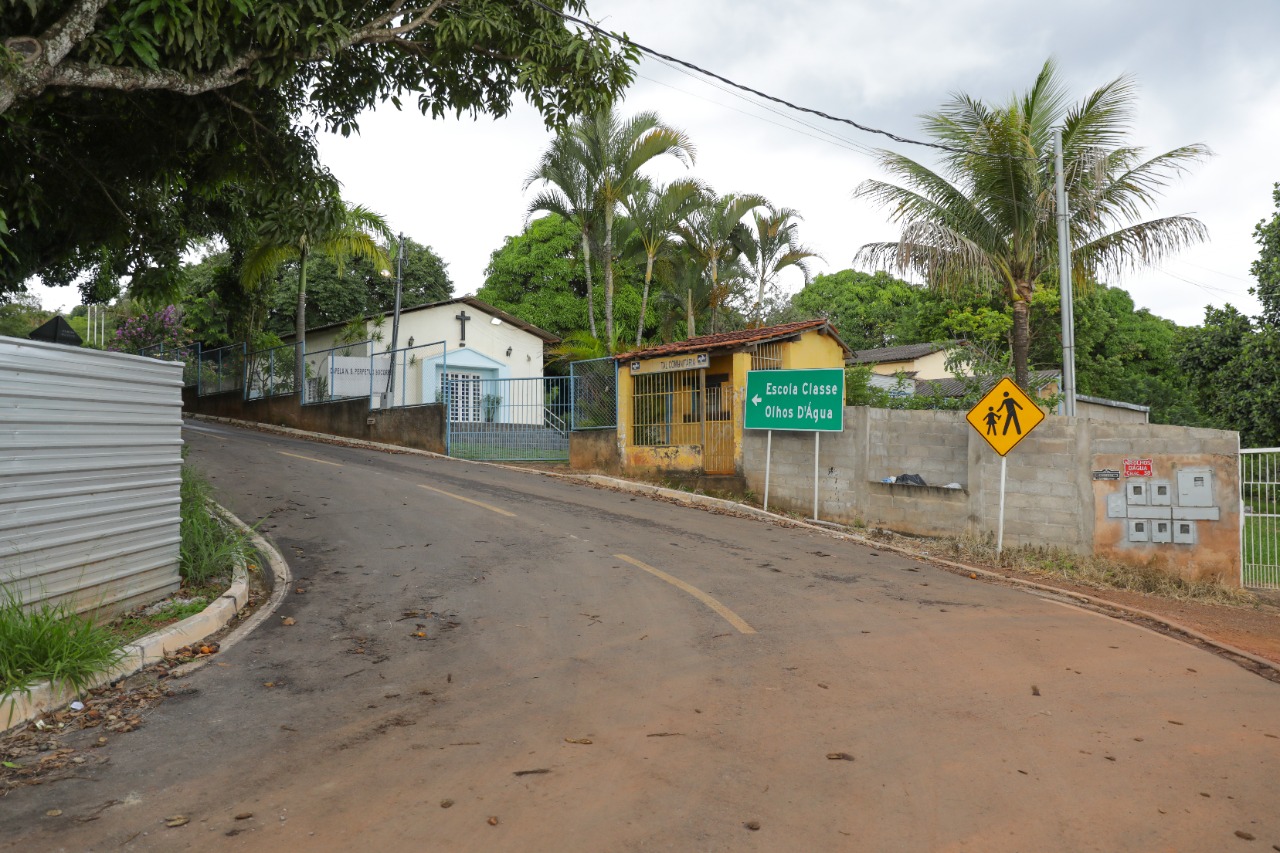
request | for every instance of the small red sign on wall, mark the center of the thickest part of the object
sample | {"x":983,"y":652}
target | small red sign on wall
{"x":1137,"y":468}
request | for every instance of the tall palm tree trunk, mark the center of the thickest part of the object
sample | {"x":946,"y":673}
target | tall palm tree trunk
{"x":644,"y":298}
{"x":1021,"y":342}
{"x":689,"y":321}
{"x":300,"y":330}
{"x":608,"y":278}
{"x":591,"y":297}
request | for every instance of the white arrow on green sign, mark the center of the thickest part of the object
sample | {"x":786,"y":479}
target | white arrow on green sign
{"x":809,"y":400}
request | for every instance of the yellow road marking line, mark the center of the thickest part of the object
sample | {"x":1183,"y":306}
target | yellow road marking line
{"x":489,"y":507}
{"x":729,"y":616}
{"x":309,"y":458}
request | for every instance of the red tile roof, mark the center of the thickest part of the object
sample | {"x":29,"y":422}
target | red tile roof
{"x":729,"y":340}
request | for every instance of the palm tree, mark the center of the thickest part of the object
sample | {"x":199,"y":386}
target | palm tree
{"x":989,"y":217}
{"x":296,"y":229}
{"x":771,"y":248}
{"x":655,"y":212}
{"x":715,"y":234}
{"x":602,"y":154}
{"x":615,"y":150}
{"x":571,"y":197}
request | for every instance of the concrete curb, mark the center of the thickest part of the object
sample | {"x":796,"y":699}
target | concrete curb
{"x":19,"y":709}
{"x":690,"y":499}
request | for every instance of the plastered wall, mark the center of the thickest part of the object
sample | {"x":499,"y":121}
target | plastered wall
{"x":1052,"y":496}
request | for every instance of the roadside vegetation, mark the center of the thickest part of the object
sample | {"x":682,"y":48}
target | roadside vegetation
{"x":51,"y":642}
{"x":1097,"y":572}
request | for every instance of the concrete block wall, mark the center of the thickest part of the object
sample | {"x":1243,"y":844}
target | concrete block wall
{"x":1051,"y":497}
{"x":420,"y":427}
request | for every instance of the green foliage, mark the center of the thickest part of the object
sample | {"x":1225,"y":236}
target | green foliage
{"x":869,"y":311}
{"x":50,"y":642}
{"x":210,"y":548}
{"x":359,"y":289}
{"x":538,"y":276}
{"x":1266,"y":269}
{"x":169,"y":122}
{"x":1232,"y":361}
{"x":987,"y":219}
{"x":22,"y":316}
{"x":1121,"y":353}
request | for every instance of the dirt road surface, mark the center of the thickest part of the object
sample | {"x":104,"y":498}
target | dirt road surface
{"x":490,"y":660}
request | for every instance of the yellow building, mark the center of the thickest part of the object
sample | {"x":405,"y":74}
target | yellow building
{"x":680,"y":404}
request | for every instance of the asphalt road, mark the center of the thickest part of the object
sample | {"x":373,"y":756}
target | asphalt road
{"x":675,"y":679}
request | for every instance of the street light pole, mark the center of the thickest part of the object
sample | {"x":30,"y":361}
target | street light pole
{"x":1064,"y":282}
{"x":395,"y":320}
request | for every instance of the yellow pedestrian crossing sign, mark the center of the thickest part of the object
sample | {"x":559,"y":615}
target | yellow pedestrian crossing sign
{"x":1004,"y":416}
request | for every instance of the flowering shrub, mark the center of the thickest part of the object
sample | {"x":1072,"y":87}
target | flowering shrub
{"x":163,"y":328}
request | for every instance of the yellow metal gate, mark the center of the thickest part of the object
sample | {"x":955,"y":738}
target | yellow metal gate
{"x":717,"y":450}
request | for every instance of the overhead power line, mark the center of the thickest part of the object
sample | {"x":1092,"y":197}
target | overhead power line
{"x":703,"y":71}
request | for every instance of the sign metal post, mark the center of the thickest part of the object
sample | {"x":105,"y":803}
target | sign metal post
{"x":804,"y":400}
{"x":768,"y":460}
{"x":1003,"y":417}
{"x":816,"y":437}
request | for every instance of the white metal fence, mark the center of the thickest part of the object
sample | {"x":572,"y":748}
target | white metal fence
{"x":1260,"y":501}
{"x":90,"y":457}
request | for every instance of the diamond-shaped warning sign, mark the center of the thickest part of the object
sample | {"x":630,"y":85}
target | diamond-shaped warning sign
{"x":1005,"y":416}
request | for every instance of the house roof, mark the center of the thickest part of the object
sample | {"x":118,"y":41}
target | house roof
{"x":960,"y":387}
{"x":477,"y":304}
{"x":733,"y":340}
{"x":906,"y":352}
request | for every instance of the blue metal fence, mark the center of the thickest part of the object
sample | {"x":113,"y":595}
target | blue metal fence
{"x":271,"y":372}
{"x":220,"y":370}
{"x":189,"y":355}
{"x":595,"y":393}
{"x":508,"y":419}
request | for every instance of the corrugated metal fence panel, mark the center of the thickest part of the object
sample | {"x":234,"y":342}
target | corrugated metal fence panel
{"x":90,"y":458}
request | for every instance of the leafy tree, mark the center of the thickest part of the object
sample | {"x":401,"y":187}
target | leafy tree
{"x":322,"y":224}
{"x":538,"y":276}
{"x":571,"y":198}
{"x":1233,"y":361}
{"x":22,"y":316}
{"x":868,"y":310}
{"x":593,"y":167}
{"x":131,"y":128}
{"x":655,"y":212}
{"x":1266,"y":269}
{"x":162,"y":328}
{"x":770,"y":248}
{"x":714,"y":235}
{"x":613,"y":151}
{"x":988,"y":218}
{"x":358,"y":288}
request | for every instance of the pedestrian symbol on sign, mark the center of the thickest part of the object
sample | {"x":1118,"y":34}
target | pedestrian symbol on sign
{"x":1005,"y":416}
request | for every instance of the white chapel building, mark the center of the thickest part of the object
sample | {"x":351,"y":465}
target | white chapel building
{"x":464,"y":342}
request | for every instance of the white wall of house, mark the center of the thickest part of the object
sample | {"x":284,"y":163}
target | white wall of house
{"x":931,"y":366}
{"x":491,"y":351}
{"x":440,"y":323}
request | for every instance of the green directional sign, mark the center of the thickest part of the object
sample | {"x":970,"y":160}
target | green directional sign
{"x":811,"y":400}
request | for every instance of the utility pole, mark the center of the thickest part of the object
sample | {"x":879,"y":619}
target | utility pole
{"x":1064,"y":282}
{"x":395,"y":322}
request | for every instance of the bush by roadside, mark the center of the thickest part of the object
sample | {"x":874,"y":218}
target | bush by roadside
{"x":50,"y":642}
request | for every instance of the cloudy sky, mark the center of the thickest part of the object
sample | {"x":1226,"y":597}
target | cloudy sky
{"x":1207,"y":72}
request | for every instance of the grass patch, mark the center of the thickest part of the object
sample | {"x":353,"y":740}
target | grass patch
{"x":210,"y":548}
{"x":50,"y":642}
{"x":141,"y":621}
{"x":1097,"y":572}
